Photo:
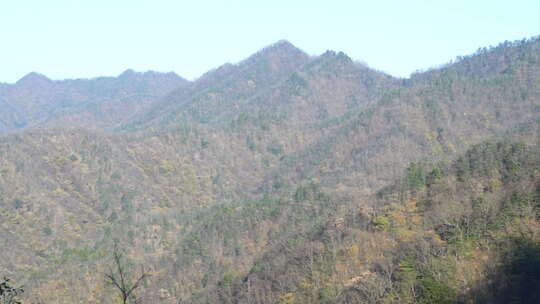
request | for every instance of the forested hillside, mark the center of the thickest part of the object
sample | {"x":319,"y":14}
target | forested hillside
{"x":284,"y":178}
{"x":459,"y":232}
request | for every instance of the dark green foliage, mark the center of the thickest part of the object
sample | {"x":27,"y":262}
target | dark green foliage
{"x":435,"y":174}
{"x":507,"y":172}
{"x":80,"y":255}
{"x":17,"y":203}
{"x":416,"y":175}
{"x":113,"y":217}
{"x":522,"y":272}
{"x":488,"y":159}
{"x":297,"y":83}
{"x":47,"y":230}
{"x":423,"y":173}
{"x":275,"y":148}
{"x":127,"y":202}
{"x":251,"y":143}
{"x":310,"y":192}
{"x":8,"y":293}
{"x":432,"y":291}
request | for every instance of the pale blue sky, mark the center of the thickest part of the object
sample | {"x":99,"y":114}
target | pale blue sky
{"x":79,"y":39}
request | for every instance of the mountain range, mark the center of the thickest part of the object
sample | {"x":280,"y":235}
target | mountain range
{"x":102,"y":102}
{"x":284,"y":178}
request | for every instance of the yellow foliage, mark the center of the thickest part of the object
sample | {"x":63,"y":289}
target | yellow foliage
{"x":353,"y":250}
{"x":405,"y":235}
{"x":167,"y":167}
{"x":381,"y":222}
{"x":306,"y":284}
{"x":288,"y":298}
{"x":340,"y":187}
{"x":494,"y":184}
{"x":436,"y":148}
{"x":404,"y":219}
{"x":431,"y":136}
{"x":60,"y":191}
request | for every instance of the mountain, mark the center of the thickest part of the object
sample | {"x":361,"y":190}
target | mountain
{"x":284,"y":178}
{"x":279,"y":80}
{"x":228,"y":86}
{"x":100,"y":102}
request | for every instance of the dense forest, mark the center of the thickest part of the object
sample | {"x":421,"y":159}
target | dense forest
{"x":284,"y":178}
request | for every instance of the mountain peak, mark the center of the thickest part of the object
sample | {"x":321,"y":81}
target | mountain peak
{"x":281,"y":46}
{"x":33,"y":78}
{"x":270,"y":62}
{"x":127,"y":74}
{"x":280,"y":53}
{"x":283,"y":43}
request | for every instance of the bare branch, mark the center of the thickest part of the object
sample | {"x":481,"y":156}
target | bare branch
{"x":120,"y":279}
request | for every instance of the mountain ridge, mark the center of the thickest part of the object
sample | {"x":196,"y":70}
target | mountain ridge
{"x":36,"y":99}
{"x":127,"y":73}
{"x":322,"y":181}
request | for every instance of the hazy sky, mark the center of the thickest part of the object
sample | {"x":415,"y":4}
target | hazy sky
{"x":76,"y":39}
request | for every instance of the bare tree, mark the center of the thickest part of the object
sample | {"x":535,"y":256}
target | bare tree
{"x":121,"y":279}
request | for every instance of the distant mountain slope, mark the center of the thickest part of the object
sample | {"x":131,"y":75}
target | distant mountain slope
{"x":100,"y":102}
{"x":224,"y":88}
{"x":280,"y":80}
{"x":438,"y":116}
